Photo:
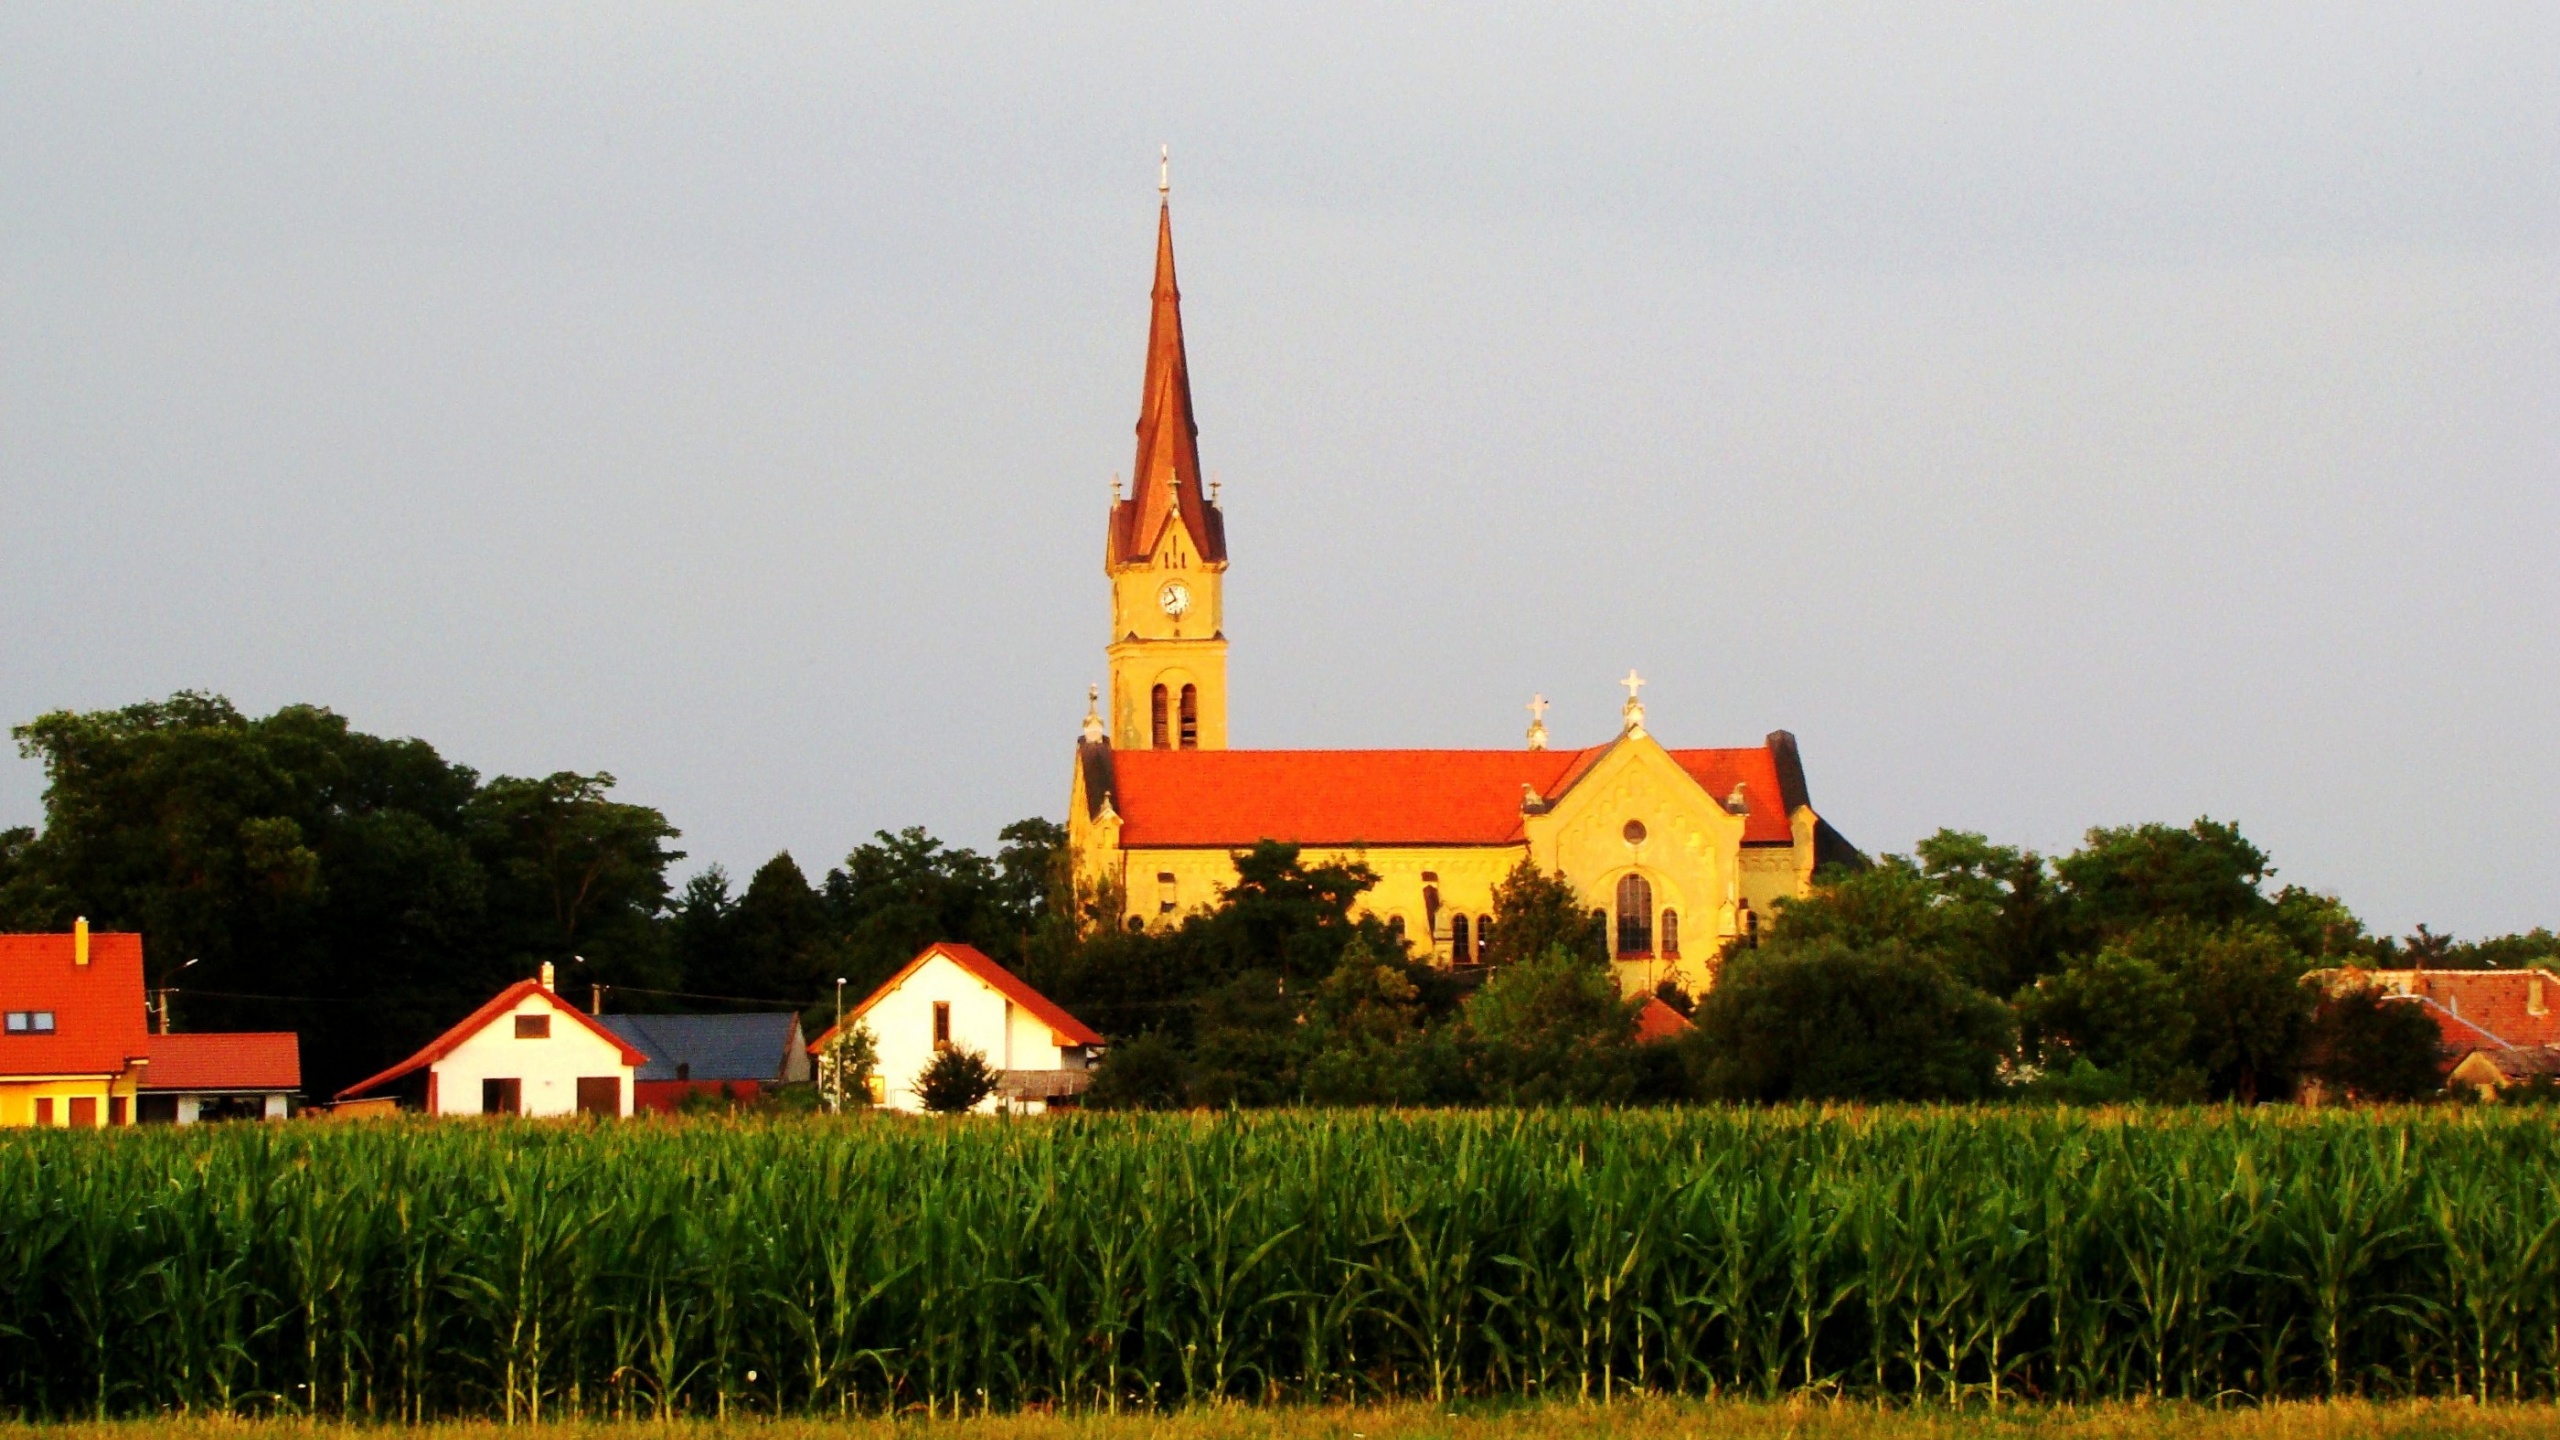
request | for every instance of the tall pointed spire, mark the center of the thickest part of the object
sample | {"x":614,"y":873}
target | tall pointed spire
{"x":1165,"y":482}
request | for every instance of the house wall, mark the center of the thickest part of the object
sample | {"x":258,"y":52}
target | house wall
{"x":190,"y":1106}
{"x":549,"y":1068}
{"x":982,"y":1019}
{"x":18,"y":1098}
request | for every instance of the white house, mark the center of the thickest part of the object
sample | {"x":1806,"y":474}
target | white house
{"x":953,"y":995}
{"x":527,"y":1052}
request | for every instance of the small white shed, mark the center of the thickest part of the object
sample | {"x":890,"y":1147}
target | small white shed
{"x":526,"y":1052}
{"x":953,"y":995}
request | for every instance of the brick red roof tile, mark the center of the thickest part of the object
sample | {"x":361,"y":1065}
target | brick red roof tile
{"x":97,"y":1008}
{"x":1658,"y":1021}
{"x":1233,"y":798}
{"x":238,"y":1060}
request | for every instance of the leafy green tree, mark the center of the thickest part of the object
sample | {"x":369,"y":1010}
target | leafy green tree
{"x":2251,"y":1011}
{"x":958,"y":1081}
{"x":1360,"y":1041}
{"x":2367,"y":1048}
{"x":1535,"y":911}
{"x":1145,"y":1073}
{"x":1244,"y":1053}
{"x":1554,"y":1030}
{"x":2122,"y":879}
{"x":2116,"y":1013}
{"x":1830,"y":1021}
{"x":1990,"y":915}
{"x":846,"y":1066}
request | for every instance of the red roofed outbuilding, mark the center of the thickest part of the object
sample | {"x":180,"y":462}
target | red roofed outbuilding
{"x":220,"y":1075}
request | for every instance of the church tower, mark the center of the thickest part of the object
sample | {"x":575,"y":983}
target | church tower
{"x":1166,"y":555}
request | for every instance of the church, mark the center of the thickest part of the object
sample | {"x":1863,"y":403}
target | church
{"x":1683,"y":851}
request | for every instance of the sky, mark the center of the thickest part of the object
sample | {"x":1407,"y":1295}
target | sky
{"x":2055,"y":416}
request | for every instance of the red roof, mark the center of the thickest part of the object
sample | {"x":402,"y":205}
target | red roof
{"x":1233,"y":798}
{"x":97,"y":1008}
{"x":2476,"y":1008}
{"x":480,"y":1019}
{"x":241,"y":1060}
{"x":1064,"y":1028}
{"x":1658,"y":1021}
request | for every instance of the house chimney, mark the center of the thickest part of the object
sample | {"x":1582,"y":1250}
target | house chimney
{"x":546,"y":974}
{"x":80,"y":941}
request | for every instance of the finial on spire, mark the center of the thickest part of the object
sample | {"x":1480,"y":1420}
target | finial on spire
{"x":1164,"y":171}
{"x":1115,"y":487}
{"x":1213,"y":487}
{"x":1093,"y":732}
{"x":1537,"y":708}
{"x":1635,"y":707}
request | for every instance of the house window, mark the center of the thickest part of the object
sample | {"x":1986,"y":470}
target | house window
{"x":30,"y":1022}
{"x":600,"y":1095}
{"x":115,"y":1110}
{"x":1190,"y":717}
{"x":941,"y":1024}
{"x":1671,"y":932}
{"x":1163,"y":733}
{"x":533,"y":1027}
{"x":1635,"y":916}
{"x":501,"y":1097}
{"x":44,"y":1110}
{"x":1165,"y":890}
{"x":1461,"y":952}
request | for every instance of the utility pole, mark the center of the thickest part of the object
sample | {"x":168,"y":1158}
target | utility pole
{"x":837,"y":1045}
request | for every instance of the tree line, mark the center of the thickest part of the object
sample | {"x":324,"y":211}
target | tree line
{"x":366,"y":892}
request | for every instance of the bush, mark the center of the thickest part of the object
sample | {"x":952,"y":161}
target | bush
{"x":2367,"y":1048}
{"x":956,"y":1082}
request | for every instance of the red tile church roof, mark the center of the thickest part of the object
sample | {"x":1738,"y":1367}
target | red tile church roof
{"x":1232,"y":798}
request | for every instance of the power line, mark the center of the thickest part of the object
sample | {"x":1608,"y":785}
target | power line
{"x":613,"y":989}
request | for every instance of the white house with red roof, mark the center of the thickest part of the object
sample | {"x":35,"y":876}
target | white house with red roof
{"x":526,"y":1052}
{"x":955,"y":996}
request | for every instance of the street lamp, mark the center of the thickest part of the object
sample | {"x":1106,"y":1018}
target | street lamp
{"x":838,"y":1045}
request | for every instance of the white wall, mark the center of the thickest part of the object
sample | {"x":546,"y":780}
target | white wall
{"x":549,"y":1069}
{"x":982,"y":1019}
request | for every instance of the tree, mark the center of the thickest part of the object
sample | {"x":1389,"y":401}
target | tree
{"x":2117,"y":1013}
{"x":847,"y":1064}
{"x":1988,"y":914}
{"x":957,"y":1081}
{"x":1829,"y":1021}
{"x":1360,"y":1040}
{"x":1554,"y":1030}
{"x":2123,"y":879}
{"x":2367,"y":1048}
{"x":1535,"y":911}
{"x":1146,"y":1073}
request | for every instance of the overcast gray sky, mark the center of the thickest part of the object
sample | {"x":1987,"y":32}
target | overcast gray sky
{"x":2055,"y":415}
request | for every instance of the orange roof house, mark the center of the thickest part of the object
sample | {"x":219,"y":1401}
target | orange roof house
{"x":1683,"y":851}
{"x":2508,"y":1020}
{"x":955,"y":995}
{"x":76,"y":1049}
{"x":525,"y":1052}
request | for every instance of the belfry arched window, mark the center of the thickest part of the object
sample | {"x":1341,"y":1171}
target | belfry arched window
{"x":1460,"y":953}
{"x":1190,"y":717}
{"x":1635,"y":916}
{"x":1163,"y":733}
{"x":1670,"y":932}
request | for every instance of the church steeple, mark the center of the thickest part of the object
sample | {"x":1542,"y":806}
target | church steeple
{"x":1165,"y":479}
{"x":1166,"y":554}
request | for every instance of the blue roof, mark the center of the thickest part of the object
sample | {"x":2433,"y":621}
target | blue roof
{"x":764,"y":1046}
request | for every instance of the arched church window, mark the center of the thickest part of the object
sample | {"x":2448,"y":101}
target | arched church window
{"x":1162,"y":733}
{"x":1635,"y":916}
{"x":1670,"y":932}
{"x":1190,"y":717}
{"x":1395,"y":926}
{"x":1460,"y":953}
{"x":1484,"y":939}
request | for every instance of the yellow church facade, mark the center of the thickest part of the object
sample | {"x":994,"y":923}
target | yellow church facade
{"x":1683,"y":851}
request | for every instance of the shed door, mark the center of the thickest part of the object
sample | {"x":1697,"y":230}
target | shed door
{"x":600,"y":1095}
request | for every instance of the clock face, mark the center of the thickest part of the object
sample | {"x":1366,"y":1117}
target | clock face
{"x":1175,"y":598}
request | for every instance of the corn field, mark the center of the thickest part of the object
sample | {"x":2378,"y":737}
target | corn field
{"x":524,"y":1271}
